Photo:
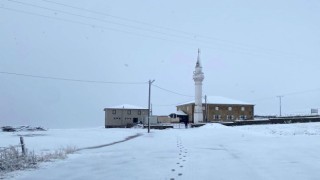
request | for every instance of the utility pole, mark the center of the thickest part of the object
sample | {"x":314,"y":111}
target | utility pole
{"x":280,"y":103}
{"x":206,"y":106}
{"x":149,"y":100}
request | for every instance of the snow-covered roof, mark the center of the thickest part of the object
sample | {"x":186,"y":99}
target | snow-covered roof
{"x":180,"y":113}
{"x":126,"y":106}
{"x":219,"y":100}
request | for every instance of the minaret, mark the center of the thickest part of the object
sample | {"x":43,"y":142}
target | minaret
{"x":198,"y":78}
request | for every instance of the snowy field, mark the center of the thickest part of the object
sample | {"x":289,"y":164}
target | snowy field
{"x":268,"y":152}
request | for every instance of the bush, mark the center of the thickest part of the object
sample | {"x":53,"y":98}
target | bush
{"x":12,"y":159}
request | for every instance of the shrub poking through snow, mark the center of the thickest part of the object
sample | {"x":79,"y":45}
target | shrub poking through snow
{"x":12,"y":159}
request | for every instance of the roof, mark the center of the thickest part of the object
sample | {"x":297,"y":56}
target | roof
{"x":126,"y":106}
{"x":219,"y":100}
{"x":181,"y":113}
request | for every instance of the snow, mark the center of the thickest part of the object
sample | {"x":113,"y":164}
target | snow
{"x":219,"y":100}
{"x":126,"y":106}
{"x":213,"y":151}
{"x":41,"y":141}
{"x":180,"y":113}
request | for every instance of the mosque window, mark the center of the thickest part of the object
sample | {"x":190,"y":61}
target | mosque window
{"x":216,"y":116}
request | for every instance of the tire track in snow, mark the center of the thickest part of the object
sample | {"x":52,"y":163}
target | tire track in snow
{"x":110,"y":144}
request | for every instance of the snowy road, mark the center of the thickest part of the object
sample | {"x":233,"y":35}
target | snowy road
{"x":210,"y":152}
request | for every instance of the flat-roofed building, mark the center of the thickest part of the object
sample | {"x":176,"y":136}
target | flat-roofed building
{"x":125,"y":115}
{"x":217,"y":108}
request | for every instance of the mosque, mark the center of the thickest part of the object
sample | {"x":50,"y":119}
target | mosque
{"x":203,"y":109}
{"x":212,"y":108}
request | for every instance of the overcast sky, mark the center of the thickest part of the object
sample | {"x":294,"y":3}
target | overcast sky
{"x":251,"y":51}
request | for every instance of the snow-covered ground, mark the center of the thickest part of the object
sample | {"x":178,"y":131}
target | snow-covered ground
{"x":289,"y":151}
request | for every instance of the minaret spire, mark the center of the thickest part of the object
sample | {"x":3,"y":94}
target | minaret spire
{"x":198,"y":78}
{"x":198,"y":64}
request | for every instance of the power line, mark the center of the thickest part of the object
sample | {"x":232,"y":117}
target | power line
{"x":86,"y":24}
{"x":164,"y":105}
{"x":157,"y":26}
{"x":115,"y":23}
{"x":69,"y":79}
{"x":98,"y":26}
{"x":301,"y":92}
{"x":173,"y":92}
{"x":289,"y":94}
{"x":94,"y":18}
{"x":118,"y":17}
{"x":243,"y":48}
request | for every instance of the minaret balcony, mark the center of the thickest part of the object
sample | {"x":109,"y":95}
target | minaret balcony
{"x":198,"y":77}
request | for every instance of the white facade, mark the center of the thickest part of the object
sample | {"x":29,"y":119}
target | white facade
{"x":198,"y":77}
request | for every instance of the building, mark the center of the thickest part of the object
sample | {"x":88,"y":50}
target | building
{"x":217,"y":108}
{"x":198,"y":77}
{"x":125,"y":116}
{"x":183,"y":117}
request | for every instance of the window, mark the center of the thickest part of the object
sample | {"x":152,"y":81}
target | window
{"x":114,"y":111}
{"x":216,"y":117}
{"x":216,"y":108}
{"x":230,"y":108}
{"x":187,"y":108}
{"x":242,"y":108}
{"x":129,"y":112}
{"x":229,"y":117}
{"x":243,"y":117}
{"x":139,"y":112}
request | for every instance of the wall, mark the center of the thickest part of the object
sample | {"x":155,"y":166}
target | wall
{"x":167,"y":119}
{"x":223,"y":111}
{"x":122,"y":118}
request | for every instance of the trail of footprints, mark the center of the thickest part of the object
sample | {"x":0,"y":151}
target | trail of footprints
{"x":183,"y":152}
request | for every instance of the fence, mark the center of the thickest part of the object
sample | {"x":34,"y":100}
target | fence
{"x":16,"y":157}
{"x":280,"y":120}
{"x":22,"y":145}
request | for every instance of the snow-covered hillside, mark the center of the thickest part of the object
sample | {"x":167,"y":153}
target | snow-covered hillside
{"x":211,"y":152}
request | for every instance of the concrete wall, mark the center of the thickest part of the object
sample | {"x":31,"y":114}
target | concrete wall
{"x":282,"y":120}
{"x":167,"y":119}
{"x":124,"y":117}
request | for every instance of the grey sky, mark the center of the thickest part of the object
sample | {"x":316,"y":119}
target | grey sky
{"x":250,"y":51}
